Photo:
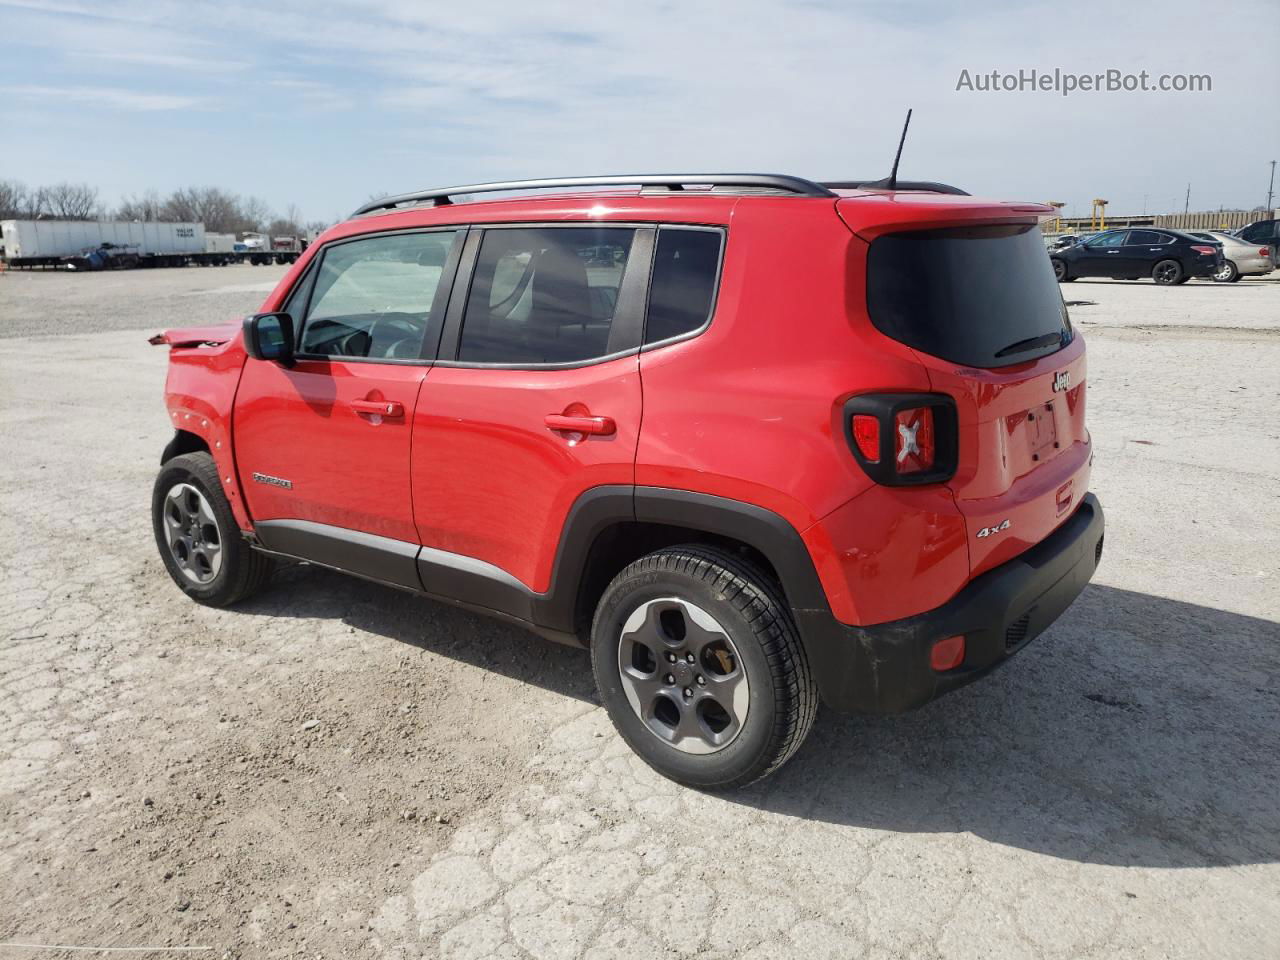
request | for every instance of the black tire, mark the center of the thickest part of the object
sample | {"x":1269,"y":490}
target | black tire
{"x":1060,"y":270}
{"x":1167,"y":273}
{"x":1227,"y":273}
{"x":781,"y":698}
{"x":241,"y":570}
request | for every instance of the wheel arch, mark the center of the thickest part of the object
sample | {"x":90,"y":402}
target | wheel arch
{"x":609,"y":527}
{"x":184,"y":441}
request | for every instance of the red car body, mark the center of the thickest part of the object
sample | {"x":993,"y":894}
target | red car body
{"x":496,"y":508}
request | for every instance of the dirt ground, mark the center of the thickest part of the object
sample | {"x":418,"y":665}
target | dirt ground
{"x":340,"y":770}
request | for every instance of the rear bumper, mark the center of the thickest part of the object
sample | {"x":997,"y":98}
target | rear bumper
{"x":885,"y":668}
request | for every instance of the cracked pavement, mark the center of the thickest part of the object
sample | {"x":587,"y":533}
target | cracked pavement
{"x":337,"y":769}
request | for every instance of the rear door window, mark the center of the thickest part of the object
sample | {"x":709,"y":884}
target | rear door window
{"x":544,"y":295}
{"x":682,"y":292}
{"x":1146,"y":238}
{"x":978,"y":296}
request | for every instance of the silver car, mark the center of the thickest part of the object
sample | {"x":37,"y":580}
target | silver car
{"x":1240,"y":258}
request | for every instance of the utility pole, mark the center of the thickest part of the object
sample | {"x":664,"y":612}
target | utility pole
{"x":1271,"y":186}
{"x":1186,"y":205}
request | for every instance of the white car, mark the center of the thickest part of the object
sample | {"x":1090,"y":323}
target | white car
{"x":1240,"y":258}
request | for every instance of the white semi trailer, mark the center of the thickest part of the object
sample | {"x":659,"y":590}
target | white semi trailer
{"x":103,"y":244}
{"x":49,"y":242}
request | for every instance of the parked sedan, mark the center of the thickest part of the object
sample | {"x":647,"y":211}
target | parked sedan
{"x":1166,"y":256}
{"x":1240,"y":258}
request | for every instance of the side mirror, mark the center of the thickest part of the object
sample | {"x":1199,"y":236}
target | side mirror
{"x":269,"y":336}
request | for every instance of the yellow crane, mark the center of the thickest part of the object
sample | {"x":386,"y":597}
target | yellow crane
{"x":1098,"y":216}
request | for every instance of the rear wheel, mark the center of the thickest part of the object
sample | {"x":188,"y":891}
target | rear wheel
{"x":1060,"y":270}
{"x":701,"y":668}
{"x":1167,"y":272}
{"x":198,"y":537}
{"x":1227,"y":273}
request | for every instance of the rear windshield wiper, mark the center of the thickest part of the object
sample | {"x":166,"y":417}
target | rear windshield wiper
{"x":1031,"y":343}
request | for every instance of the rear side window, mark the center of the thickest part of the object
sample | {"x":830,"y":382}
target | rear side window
{"x":977,"y":296}
{"x":1147,"y":238}
{"x":544,"y":295}
{"x":686,"y":265}
{"x":375,"y":298}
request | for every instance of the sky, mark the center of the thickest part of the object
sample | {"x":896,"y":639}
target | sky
{"x":325,"y":104}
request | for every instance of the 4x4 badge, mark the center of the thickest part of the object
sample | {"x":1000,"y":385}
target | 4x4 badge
{"x":1062,"y":381}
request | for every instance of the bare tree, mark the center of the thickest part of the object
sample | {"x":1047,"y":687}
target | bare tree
{"x":146,"y":208}
{"x":254,"y":213}
{"x":289,"y":225}
{"x":15,"y":200}
{"x":217,"y":209}
{"x":70,"y":201}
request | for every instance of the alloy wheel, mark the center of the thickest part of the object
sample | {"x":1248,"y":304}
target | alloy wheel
{"x":191,"y":530}
{"x":682,"y":675}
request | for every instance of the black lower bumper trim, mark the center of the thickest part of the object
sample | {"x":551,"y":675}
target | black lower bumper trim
{"x":885,"y":668}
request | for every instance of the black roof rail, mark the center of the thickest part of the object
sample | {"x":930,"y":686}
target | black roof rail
{"x":928,"y":185}
{"x":768,"y":181}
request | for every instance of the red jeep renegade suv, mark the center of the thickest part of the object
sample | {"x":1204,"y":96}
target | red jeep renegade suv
{"x":753,"y":439}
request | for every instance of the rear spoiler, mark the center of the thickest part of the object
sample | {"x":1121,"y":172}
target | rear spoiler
{"x":211,"y":336}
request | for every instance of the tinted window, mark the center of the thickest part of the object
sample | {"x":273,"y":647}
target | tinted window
{"x":683,"y":287}
{"x":979,"y":296}
{"x":374,"y":298}
{"x":1146,"y":238}
{"x":1108,"y":240}
{"x":544,"y":295}
{"x":1260,"y":232}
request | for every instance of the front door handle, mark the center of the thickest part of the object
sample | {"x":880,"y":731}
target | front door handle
{"x":595,"y":426}
{"x":383,"y":408}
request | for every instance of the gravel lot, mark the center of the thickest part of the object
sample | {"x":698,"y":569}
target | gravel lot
{"x":341,"y":770}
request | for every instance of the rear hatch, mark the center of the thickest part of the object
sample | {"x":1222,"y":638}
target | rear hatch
{"x":969,"y":289}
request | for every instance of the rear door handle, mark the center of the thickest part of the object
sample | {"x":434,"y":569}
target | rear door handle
{"x":595,"y":426}
{"x":384,"y":408}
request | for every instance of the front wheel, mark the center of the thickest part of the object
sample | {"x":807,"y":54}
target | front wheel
{"x":1167,"y":272}
{"x":197,"y":534}
{"x":700,"y":667}
{"x":1227,"y":273}
{"x":1060,"y":270}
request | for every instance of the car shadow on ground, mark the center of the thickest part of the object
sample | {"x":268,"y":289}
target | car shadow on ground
{"x":1139,"y":731}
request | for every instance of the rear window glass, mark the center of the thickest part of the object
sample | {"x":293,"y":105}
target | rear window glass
{"x":544,"y":295}
{"x":683,"y":290}
{"x":977,"y":296}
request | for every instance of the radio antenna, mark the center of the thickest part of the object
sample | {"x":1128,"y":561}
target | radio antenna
{"x":893,"y":174}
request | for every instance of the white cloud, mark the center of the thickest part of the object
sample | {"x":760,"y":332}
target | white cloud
{"x":103,"y":96}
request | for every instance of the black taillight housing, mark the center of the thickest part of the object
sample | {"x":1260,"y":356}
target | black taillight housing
{"x":903,"y":439}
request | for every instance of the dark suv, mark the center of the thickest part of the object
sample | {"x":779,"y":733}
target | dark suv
{"x":1166,"y":256}
{"x":756,"y":441}
{"x":1263,"y":232}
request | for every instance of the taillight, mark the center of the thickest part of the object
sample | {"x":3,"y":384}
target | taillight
{"x":903,"y":438}
{"x":866,"y":434}
{"x":914,"y":446}
{"x":1201,"y":248}
{"x":1264,"y":251}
